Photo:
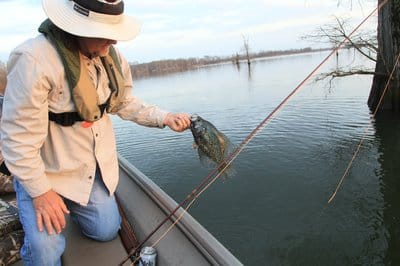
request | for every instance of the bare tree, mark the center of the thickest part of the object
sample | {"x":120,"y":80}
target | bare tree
{"x":383,"y":49}
{"x":334,"y":33}
{"x":246,"y":48}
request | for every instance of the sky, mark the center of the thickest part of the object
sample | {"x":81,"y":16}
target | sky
{"x":172,"y":29}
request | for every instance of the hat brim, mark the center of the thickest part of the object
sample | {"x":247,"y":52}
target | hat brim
{"x":67,"y":19}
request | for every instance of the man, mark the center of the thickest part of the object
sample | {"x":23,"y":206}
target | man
{"x":57,"y":136}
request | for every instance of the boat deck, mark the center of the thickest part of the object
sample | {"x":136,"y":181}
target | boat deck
{"x":82,"y":251}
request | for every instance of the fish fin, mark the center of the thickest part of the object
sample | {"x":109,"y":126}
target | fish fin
{"x":222,"y":143}
{"x":194,"y":146}
{"x":205,"y":160}
{"x":228,"y":171}
{"x":221,"y":139}
{"x":227,"y":150}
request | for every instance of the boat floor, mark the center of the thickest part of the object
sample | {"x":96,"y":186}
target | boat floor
{"x":82,"y":251}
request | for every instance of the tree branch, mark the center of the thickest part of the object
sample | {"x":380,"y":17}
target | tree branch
{"x":335,"y":33}
{"x":341,"y":73}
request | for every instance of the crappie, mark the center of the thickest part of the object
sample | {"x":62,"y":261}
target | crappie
{"x":211,"y":143}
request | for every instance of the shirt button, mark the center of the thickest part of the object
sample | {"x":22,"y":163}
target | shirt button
{"x":90,"y":177}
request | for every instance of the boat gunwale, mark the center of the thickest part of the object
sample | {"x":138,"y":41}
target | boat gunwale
{"x":204,"y":241}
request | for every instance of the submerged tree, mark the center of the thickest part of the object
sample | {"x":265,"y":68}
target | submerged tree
{"x":246,"y":48}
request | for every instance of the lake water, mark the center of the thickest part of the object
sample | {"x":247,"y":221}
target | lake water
{"x":274,"y":210}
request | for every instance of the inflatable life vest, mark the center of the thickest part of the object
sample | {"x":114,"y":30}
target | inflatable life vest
{"x":83,"y":92}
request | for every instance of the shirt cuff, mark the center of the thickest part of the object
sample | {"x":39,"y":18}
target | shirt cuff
{"x":36,"y":187}
{"x":161,"y":117}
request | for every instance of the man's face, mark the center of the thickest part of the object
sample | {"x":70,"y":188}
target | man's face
{"x":94,"y":47}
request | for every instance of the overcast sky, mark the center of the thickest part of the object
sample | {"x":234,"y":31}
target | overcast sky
{"x":184,"y":28}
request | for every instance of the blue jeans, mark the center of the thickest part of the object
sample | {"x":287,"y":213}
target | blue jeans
{"x":99,"y":220}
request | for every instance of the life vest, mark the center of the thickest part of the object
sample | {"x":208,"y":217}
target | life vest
{"x":83,"y":91}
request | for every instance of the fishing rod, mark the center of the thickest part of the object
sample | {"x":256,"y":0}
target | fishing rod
{"x":216,"y":172}
{"x":190,"y":196}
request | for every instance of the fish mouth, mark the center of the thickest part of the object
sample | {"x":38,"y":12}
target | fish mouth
{"x":194,"y":117}
{"x":196,"y":126}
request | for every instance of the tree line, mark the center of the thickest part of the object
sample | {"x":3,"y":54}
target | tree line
{"x":164,"y":67}
{"x":169,"y":66}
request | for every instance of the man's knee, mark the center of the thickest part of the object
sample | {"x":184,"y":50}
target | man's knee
{"x":42,"y":249}
{"x":100,"y":222}
{"x":105,"y":231}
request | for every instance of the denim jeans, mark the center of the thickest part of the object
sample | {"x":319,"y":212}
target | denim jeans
{"x":99,"y":220}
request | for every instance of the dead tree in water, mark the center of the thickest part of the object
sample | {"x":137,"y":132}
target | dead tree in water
{"x":246,"y":48}
{"x":237,"y":59}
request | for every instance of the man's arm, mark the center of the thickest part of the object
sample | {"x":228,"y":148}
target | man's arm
{"x":136,"y":110}
{"x":23,"y":131}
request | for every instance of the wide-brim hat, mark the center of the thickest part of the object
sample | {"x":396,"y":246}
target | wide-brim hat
{"x":92,"y":18}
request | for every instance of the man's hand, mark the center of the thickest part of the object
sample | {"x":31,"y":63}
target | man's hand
{"x":50,"y":210}
{"x":177,"y":122}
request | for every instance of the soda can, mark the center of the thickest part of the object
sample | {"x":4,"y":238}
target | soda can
{"x":148,"y":256}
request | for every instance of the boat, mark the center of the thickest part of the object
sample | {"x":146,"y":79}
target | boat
{"x":145,"y":205}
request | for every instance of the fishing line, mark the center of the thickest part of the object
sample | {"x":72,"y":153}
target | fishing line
{"x":365,"y":133}
{"x":217,"y":171}
{"x":185,"y":210}
{"x":363,"y":137}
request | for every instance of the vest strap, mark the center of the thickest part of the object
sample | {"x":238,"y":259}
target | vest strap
{"x":83,"y":92}
{"x":67,"y":119}
{"x":4,"y":169}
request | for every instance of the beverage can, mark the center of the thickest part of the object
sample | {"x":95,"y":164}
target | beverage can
{"x":148,"y":256}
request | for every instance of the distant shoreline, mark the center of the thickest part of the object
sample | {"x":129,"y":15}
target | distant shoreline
{"x":170,"y":66}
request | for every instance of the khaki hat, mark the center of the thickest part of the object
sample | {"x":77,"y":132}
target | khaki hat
{"x":92,"y":18}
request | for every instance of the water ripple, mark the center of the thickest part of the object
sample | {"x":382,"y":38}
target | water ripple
{"x":274,"y":209}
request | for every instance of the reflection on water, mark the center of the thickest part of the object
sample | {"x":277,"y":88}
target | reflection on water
{"x":388,"y":134}
{"x":274,"y":211}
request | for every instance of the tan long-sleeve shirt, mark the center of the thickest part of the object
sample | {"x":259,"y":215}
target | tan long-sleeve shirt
{"x":44,"y":155}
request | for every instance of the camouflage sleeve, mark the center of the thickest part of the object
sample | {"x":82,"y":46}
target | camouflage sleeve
{"x":11,"y":233}
{"x":10,"y":246}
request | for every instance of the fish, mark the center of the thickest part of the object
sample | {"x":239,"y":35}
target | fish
{"x":212,"y":145}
